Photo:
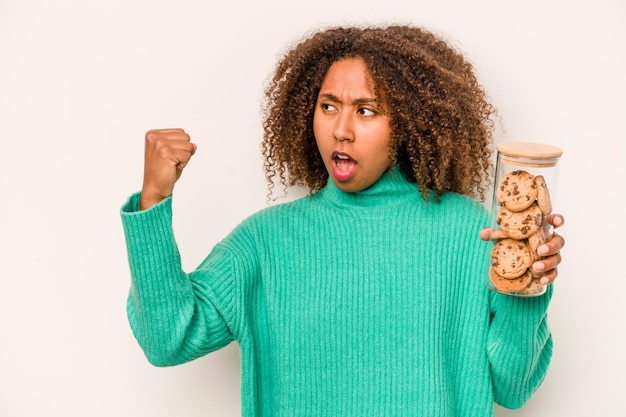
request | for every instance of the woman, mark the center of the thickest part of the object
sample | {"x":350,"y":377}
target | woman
{"x":367,"y":296}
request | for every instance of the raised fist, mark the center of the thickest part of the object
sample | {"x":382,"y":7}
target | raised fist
{"x":167,"y":152}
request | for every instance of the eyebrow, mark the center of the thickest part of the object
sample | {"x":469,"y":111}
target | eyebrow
{"x":358,"y":101}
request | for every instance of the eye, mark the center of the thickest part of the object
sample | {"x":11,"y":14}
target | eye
{"x":366,"y":112}
{"x":327,"y":107}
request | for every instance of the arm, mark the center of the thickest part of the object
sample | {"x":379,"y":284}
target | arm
{"x":519,"y":347}
{"x":175,"y":319}
{"x":519,"y":344}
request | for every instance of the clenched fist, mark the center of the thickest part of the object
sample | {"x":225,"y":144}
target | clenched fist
{"x":167,"y":152}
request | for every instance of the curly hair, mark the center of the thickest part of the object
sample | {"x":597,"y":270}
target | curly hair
{"x":440,"y":117}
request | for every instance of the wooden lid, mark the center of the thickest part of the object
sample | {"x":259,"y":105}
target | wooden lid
{"x":529,"y":150}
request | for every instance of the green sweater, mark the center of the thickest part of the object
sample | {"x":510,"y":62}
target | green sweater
{"x":344,"y":304}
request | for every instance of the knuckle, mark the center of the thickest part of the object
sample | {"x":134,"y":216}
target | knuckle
{"x":163,"y":150}
{"x":151,"y":136}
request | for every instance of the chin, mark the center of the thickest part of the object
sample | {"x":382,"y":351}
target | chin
{"x":349,"y":187}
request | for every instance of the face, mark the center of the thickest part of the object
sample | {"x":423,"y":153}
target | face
{"x":351,"y":130}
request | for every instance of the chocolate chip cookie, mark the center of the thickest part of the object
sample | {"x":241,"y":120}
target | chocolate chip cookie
{"x":510,"y":258}
{"x":520,"y":224}
{"x":517,"y":190}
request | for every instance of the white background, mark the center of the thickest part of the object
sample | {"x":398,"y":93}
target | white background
{"x":80,"y":83}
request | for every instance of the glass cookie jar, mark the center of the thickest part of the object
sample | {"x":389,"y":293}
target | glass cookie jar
{"x":523,"y":192}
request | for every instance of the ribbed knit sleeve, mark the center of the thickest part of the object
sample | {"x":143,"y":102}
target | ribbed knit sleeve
{"x":175,"y":319}
{"x":519,"y":347}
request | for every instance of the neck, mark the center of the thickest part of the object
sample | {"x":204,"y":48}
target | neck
{"x":391,"y":188}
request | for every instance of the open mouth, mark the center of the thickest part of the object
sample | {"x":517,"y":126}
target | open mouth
{"x":343,"y":166}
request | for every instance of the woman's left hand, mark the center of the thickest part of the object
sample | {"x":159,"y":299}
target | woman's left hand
{"x":549,"y":251}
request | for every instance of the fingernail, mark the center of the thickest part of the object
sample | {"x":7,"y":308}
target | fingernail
{"x":543,"y":250}
{"x":544,"y":280}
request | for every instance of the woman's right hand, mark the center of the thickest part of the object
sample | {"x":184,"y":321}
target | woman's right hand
{"x":167,"y":152}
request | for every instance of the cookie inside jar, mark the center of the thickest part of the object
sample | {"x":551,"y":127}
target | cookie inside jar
{"x":523,"y":196}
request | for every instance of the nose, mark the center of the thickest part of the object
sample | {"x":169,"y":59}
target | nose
{"x":344,"y":127}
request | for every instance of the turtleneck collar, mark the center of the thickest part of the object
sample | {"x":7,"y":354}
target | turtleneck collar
{"x":391,"y":188}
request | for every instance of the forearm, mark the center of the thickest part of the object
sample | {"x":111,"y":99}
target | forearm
{"x":519,"y":347}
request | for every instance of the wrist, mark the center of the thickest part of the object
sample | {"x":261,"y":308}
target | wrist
{"x":147,"y":200}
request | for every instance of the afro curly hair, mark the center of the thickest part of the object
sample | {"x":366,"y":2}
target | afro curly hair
{"x":440,"y":118}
